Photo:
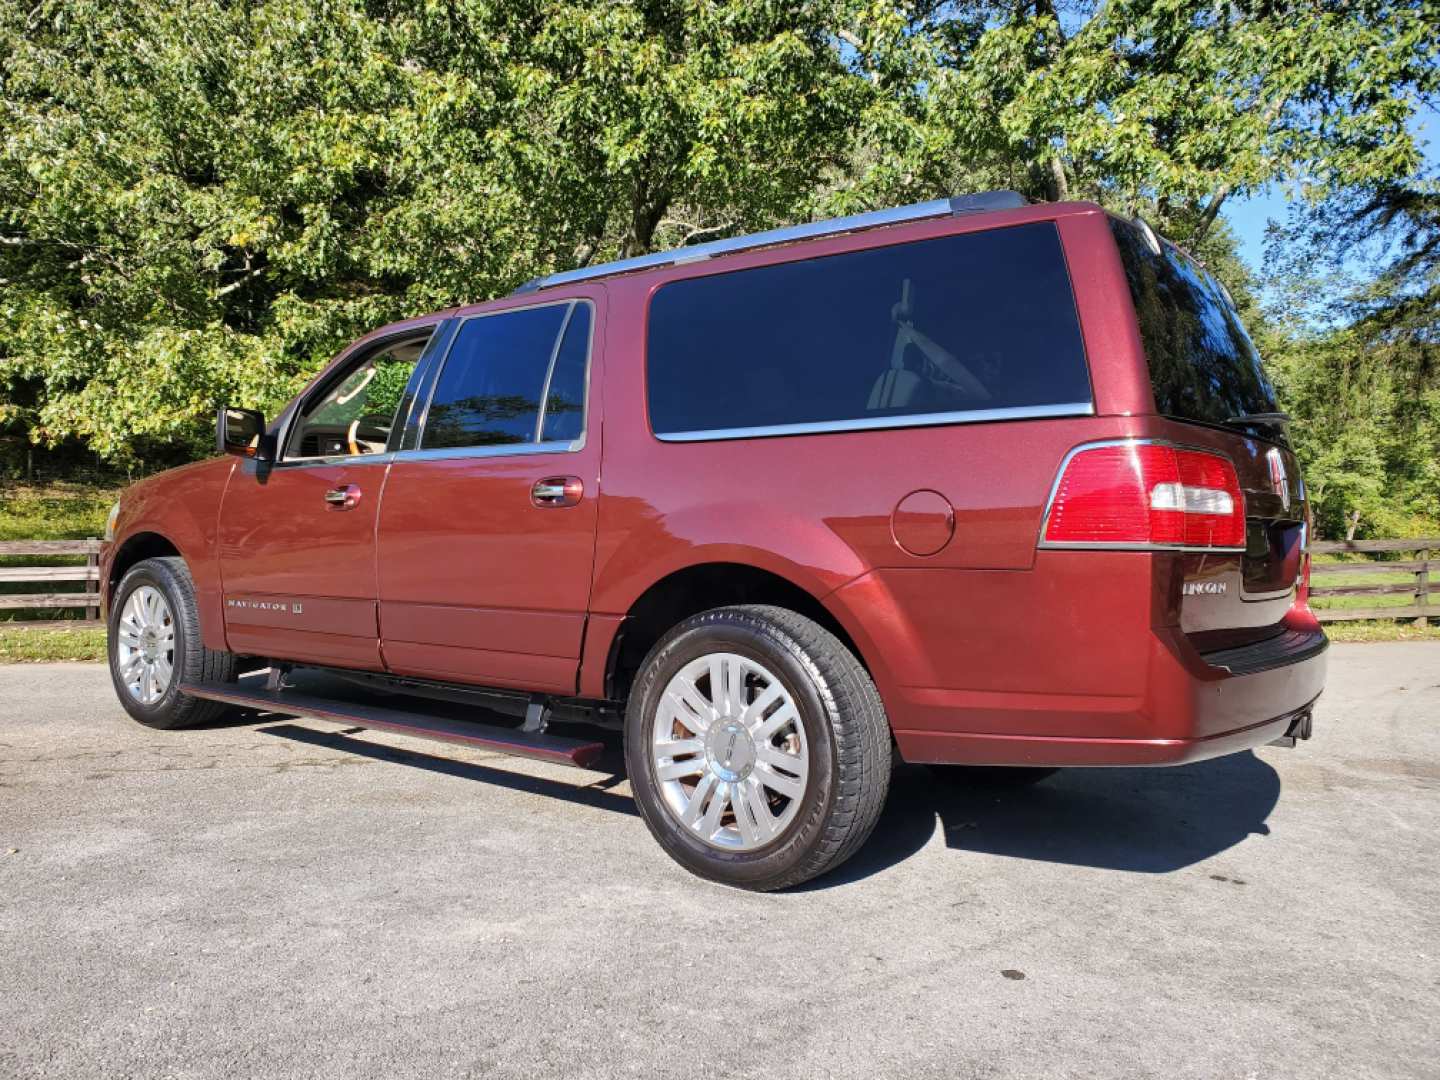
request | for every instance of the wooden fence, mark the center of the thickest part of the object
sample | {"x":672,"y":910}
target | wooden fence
{"x":1323,"y":574}
{"x":81,"y":580}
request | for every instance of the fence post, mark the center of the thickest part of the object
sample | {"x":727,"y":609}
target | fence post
{"x":92,"y":584}
{"x":1422,"y":586}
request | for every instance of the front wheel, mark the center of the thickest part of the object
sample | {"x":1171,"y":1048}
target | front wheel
{"x":757,"y":747}
{"x":154,"y":645}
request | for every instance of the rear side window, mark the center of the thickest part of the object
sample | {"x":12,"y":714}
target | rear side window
{"x":499,"y":371}
{"x":1203,"y":365}
{"x":913,"y":333}
{"x":565,"y":397}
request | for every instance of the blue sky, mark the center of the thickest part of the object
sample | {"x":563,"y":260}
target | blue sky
{"x":1249,"y":216}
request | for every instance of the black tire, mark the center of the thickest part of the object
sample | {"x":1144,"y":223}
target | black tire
{"x":993,"y":776}
{"x":845,"y":729}
{"x":192,"y":662}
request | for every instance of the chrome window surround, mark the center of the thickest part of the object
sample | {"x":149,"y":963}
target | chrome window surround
{"x":881,"y":423}
{"x":1125,"y":545}
{"x":510,"y":449}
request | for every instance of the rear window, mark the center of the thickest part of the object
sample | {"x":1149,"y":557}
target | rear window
{"x":1203,"y":365}
{"x":947,"y":329}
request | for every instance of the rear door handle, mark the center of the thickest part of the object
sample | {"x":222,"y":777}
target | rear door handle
{"x":555,"y":491}
{"x":342,"y":498}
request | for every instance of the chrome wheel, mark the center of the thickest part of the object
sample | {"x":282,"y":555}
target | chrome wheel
{"x":145,"y":645}
{"x":729,"y":752}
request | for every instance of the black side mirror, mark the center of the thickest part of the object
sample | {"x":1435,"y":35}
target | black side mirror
{"x":242,"y":432}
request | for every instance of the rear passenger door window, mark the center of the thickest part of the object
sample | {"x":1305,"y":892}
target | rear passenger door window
{"x":974,"y":326}
{"x":513,"y":380}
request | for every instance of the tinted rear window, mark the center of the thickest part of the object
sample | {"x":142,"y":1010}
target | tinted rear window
{"x":981,"y":321}
{"x":1203,"y":365}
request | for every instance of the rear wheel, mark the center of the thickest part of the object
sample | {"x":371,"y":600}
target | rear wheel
{"x":154,"y":646}
{"x":757,"y":747}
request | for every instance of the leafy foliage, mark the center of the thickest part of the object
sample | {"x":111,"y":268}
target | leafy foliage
{"x":202,"y":202}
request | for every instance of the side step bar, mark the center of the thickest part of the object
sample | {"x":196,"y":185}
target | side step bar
{"x":252,"y":693}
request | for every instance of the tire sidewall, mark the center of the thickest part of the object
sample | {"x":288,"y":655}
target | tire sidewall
{"x":154,"y":573}
{"x":720,"y":631}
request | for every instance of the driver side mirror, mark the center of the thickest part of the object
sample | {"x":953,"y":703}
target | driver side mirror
{"x":242,"y":432}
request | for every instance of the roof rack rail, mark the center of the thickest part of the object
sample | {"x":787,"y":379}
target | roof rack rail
{"x":980,"y":203}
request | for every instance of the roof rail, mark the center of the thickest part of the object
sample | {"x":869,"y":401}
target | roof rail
{"x":959,"y":204}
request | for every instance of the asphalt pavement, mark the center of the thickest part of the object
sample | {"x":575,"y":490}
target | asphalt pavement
{"x":283,"y":899}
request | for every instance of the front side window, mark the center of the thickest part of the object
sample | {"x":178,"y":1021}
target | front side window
{"x":356,"y":414}
{"x":932,"y":329}
{"x":511,"y":379}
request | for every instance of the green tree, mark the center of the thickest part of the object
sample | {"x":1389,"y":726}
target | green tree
{"x":200,"y":203}
{"x":1170,"y":105}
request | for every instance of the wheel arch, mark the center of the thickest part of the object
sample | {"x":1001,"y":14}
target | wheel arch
{"x":137,"y":548}
{"x":699,"y":587}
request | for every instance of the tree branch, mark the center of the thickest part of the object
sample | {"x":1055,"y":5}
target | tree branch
{"x":239,"y":282}
{"x":696,"y":230}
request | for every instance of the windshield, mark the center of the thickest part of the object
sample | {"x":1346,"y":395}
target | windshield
{"x":1203,"y":365}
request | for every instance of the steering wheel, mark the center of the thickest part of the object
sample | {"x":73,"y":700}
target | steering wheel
{"x":358,"y":445}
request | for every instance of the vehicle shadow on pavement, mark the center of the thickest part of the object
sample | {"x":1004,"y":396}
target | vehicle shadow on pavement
{"x":1149,"y":821}
{"x":593,"y":795}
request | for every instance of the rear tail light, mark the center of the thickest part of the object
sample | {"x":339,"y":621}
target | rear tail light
{"x":1148,"y":495}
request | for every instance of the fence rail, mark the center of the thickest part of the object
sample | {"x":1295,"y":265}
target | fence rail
{"x":1420,"y":566}
{"x":82,"y":577}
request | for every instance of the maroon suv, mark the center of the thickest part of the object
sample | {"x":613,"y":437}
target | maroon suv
{"x":974,"y":482}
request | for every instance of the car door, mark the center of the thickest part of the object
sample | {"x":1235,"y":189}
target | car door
{"x":297,"y":537}
{"x":486,"y":538}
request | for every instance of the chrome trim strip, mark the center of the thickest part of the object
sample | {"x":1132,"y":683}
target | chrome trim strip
{"x":1122,"y":545}
{"x":960,"y":204}
{"x":880,"y":423}
{"x":504,"y":450}
{"x":382,"y":458}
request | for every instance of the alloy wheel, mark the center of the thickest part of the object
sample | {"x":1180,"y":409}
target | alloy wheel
{"x":145,"y":645}
{"x":729,"y":752}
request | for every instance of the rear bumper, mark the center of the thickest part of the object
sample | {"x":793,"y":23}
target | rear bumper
{"x":1081,"y":661}
{"x":973,"y":748}
{"x":1193,"y":710}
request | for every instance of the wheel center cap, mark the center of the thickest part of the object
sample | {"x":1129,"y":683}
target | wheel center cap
{"x":729,"y":751}
{"x":150,"y":644}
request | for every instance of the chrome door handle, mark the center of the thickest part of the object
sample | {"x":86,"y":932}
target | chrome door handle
{"x":342,"y":498}
{"x":556,"y":491}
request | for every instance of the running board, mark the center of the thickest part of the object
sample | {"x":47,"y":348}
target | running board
{"x":551,"y":748}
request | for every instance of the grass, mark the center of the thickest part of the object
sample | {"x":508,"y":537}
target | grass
{"x":1366,"y":630}
{"x":25,"y":646}
{"x":54,"y":512}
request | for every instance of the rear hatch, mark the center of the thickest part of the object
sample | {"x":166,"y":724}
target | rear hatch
{"x":1209,"y":383}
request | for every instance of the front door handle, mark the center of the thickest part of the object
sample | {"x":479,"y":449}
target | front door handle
{"x":342,"y":498}
{"x":556,"y":491}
